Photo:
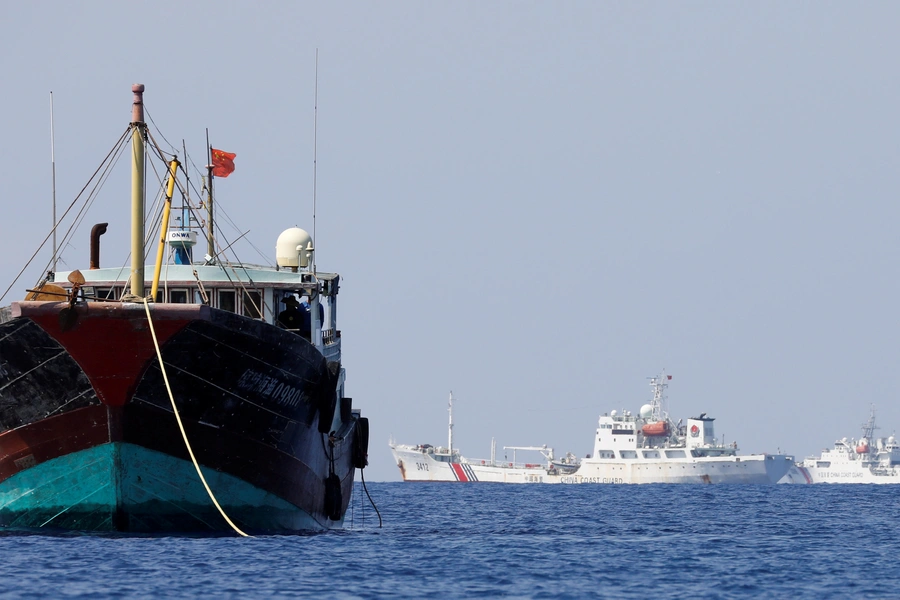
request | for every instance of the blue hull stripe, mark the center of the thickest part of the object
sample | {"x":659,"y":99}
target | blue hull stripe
{"x":124,"y":487}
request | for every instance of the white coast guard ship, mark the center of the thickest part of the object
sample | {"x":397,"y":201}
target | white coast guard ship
{"x":643,"y":448}
{"x":425,"y":462}
{"x":867,"y":460}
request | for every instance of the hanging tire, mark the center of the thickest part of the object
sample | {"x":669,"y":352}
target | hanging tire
{"x":328,"y":397}
{"x":327,"y":407}
{"x":333,"y":497}
{"x":361,"y":444}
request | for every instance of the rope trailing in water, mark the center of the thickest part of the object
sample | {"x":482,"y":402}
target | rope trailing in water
{"x":363,"y":478}
{"x":187,"y":444}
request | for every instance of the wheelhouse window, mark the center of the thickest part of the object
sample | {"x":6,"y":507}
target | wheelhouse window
{"x":178,"y":296}
{"x":253,"y":308}
{"x":227,"y":300}
{"x":105,"y":293}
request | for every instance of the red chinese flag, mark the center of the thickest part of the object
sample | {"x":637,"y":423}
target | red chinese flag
{"x":669,"y":376}
{"x":222,"y":162}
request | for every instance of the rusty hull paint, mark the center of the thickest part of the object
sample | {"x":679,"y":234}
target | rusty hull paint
{"x":50,"y":438}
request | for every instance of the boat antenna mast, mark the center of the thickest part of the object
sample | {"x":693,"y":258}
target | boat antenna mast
{"x":659,"y":405}
{"x":450,"y":440}
{"x":315,"y":156}
{"x":869,"y":426}
{"x":53,"y":167}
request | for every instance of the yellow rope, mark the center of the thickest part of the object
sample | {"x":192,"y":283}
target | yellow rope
{"x":180,"y":426}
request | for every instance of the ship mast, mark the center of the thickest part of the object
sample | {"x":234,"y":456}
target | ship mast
{"x":450,"y":441}
{"x":658,"y":385}
{"x":138,"y":129}
{"x":869,"y":426}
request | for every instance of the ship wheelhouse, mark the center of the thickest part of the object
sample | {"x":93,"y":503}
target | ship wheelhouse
{"x":256,"y":292}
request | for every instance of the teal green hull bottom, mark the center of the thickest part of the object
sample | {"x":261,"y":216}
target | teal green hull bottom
{"x":119,"y":487}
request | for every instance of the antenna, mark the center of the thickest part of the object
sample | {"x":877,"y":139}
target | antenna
{"x":53,"y":166}
{"x":315,"y":154}
{"x":186,"y":203}
{"x":450,"y":441}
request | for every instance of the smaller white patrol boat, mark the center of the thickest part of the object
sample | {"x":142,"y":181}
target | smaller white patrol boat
{"x":867,"y":460}
{"x":425,"y":462}
{"x":628,"y":448}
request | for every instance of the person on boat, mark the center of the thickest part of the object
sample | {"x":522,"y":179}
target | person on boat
{"x":305,"y":325}
{"x":292,"y":317}
{"x":296,"y":316}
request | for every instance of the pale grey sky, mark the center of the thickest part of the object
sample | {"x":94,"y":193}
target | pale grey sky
{"x":538,"y":205}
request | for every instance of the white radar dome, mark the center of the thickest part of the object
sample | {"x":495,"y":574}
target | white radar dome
{"x":646,"y":411}
{"x":613,"y":413}
{"x":293,"y":248}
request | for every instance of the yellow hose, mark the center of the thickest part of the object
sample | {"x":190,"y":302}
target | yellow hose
{"x":180,"y":426}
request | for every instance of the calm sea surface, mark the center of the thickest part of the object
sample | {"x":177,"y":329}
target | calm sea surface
{"x":487,"y":540}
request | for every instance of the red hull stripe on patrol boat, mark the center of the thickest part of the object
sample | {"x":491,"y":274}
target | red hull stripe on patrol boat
{"x":459,"y":472}
{"x":806,"y":474}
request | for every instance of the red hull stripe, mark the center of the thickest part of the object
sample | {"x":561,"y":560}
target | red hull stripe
{"x":459,"y":472}
{"x":111,"y":343}
{"x":806,"y":474}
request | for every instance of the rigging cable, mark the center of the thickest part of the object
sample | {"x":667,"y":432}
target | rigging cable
{"x":49,"y":235}
{"x":187,"y":444}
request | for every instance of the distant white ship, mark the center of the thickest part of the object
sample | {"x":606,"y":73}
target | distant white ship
{"x":643,"y":448}
{"x":867,"y":460}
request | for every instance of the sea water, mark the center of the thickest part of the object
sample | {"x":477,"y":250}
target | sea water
{"x":446,"y":540}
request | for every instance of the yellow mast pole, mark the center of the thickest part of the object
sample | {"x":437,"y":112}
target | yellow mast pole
{"x":170,"y":189}
{"x":137,"y":191}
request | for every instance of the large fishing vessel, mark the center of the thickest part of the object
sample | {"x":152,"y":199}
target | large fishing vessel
{"x":644,"y":448}
{"x":177,"y":396}
{"x":866,"y":460}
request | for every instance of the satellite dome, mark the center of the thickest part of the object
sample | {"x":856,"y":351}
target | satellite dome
{"x":613,"y":413}
{"x":646,"y":411}
{"x":293,"y":247}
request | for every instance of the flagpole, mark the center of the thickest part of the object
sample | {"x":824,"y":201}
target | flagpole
{"x":211,"y":248}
